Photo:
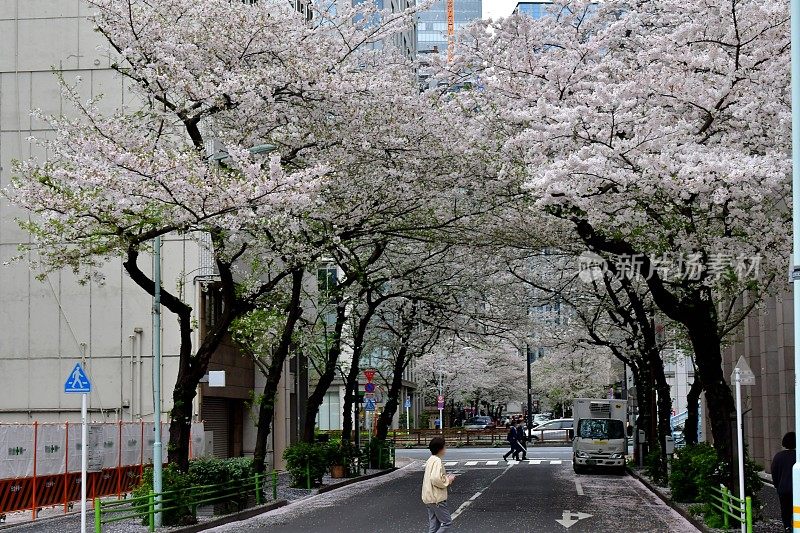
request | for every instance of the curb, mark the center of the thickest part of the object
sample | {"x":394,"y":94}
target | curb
{"x":351,"y":481}
{"x":235,"y":517}
{"x":766,"y":478}
{"x":250,"y":513}
{"x":689,"y":517}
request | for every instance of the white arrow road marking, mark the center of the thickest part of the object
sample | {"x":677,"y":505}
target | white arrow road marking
{"x":569,"y":519}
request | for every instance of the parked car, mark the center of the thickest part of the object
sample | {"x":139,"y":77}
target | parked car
{"x":479,"y":422}
{"x":552,"y":430}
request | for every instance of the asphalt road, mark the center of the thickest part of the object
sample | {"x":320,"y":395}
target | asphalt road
{"x":542,"y":495}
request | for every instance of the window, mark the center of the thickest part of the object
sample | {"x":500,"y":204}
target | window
{"x":327,"y":279}
{"x":330,"y":413}
{"x":601,"y":429}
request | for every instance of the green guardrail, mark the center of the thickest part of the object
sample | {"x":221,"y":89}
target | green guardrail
{"x":145,"y":507}
{"x":732,"y":507}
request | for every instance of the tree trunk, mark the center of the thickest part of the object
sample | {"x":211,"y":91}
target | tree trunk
{"x":328,"y":374}
{"x":719,"y":400}
{"x":183,"y":392}
{"x":351,"y":380}
{"x":389,"y":410}
{"x":664,"y":408}
{"x":266,"y":410}
{"x":691,"y":427}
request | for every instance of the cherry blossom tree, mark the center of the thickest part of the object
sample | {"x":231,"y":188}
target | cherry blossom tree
{"x":658,"y":130}
{"x":239,"y":76}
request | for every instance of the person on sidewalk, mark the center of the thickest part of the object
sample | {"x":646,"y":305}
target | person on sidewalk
{"x":512,"y":441}
{"x":781,"y":471}
{"x":434,"y":488}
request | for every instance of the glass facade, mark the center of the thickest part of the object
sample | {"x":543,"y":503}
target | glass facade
{"x":432,"y":23}
{"x":533,"y":9}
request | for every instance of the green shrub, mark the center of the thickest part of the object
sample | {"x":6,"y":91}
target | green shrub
{"x":235,"y":473}
{"x":698,"y":469}
{"x":379,"y":454}
{"x":316,"y":457}
{"x":655,"y":467}
{"x":694,"y":469}
{"x":174,"y":483}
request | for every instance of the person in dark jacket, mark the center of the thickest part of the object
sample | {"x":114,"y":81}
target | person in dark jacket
{"x":522,"y":441}
{"x":512,"y":441}
{"x":781,"y":470}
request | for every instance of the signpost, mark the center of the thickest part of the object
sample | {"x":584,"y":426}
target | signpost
{"x":742,"y":375}
{"x":408,"y":420}
{"x":440,"y":405}
{"x":78,"y":383}
{"x":369,"y":401}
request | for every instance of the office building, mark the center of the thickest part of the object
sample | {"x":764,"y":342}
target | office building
{"x":432,"y":23}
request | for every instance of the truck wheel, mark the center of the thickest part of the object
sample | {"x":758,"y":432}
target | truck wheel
{"x":578,"y":469}
{"x":620,"y":470}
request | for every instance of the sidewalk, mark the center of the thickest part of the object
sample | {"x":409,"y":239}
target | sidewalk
{"x":71,"y":522}
{"x":770,"y":509}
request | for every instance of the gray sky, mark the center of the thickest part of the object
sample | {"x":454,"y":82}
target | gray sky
{"x":498,"y":8}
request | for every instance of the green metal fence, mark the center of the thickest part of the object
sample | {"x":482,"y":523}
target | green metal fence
{"x":732,"y":507}
{"x":235,"y":493}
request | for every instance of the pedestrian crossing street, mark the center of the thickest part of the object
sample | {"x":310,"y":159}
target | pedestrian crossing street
{"x":500,"y":462}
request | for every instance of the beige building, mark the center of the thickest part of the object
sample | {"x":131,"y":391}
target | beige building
{"x":45,"y":327}
{"x":766,"y":341}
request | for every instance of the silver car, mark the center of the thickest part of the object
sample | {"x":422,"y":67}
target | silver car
{"x":479,"y":422}
{"x":558,"y":430}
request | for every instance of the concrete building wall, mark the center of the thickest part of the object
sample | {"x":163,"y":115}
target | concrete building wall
{"x":45,"y":327}
{"x":766,"y":341}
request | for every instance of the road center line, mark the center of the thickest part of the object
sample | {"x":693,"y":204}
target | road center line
{"x":477,"y":495}
{"x":578,"y":487}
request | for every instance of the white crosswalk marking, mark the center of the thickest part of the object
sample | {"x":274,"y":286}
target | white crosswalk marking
{"x":511,"y":462}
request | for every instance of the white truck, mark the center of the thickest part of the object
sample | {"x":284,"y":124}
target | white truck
{"x":600,"y":438}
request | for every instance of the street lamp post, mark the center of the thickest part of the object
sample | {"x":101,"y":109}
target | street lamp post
{"x":795,"y":55}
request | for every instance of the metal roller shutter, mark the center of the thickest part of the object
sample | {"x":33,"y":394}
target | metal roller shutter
{"x":215,"y":416}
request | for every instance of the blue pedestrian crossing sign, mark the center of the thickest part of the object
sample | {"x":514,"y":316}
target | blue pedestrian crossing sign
{"x":369,"y":404}
{"x":77,"y":381}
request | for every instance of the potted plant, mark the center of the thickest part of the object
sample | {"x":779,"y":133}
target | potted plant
{"x":341,"y":454}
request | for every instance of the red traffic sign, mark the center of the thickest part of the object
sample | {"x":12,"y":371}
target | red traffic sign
{"x":369,"y":387}
{"x":369,"y":374}
{"x":440,"y":402}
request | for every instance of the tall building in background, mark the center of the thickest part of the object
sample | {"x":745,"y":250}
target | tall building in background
{"x":432,"y":23}
{"x":532,"y":9}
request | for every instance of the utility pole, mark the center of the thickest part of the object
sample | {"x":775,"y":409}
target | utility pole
{"x":158,"y":461}
{"x":530,"y":387}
